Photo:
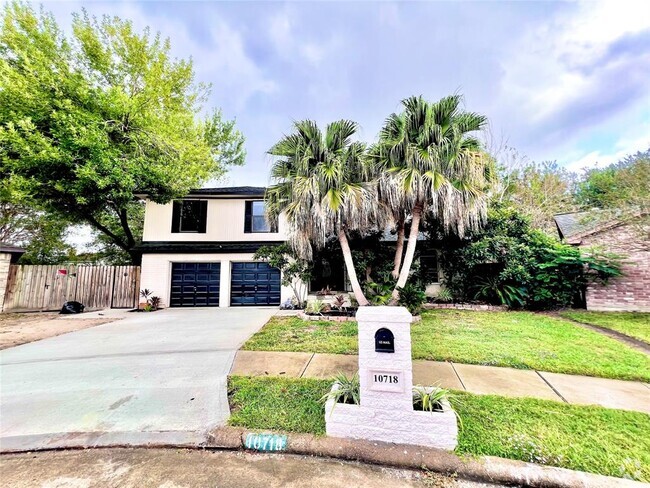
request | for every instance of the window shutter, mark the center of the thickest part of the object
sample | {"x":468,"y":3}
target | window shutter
{"x":248,"y":217}
{"x":203,"y":216}
{"x":176,"y":216}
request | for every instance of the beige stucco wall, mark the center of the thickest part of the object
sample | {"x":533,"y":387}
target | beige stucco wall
{"x":157,"y":273}
{"x":225,"y":222}
{"x":5,"y":260}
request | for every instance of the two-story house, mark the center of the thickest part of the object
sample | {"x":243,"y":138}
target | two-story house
{"x":198,"y":251}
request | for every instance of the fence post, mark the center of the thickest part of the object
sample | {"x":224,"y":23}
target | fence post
{"x":5,"y":260}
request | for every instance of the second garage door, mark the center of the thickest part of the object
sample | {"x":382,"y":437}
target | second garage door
{"x":254,"y":284}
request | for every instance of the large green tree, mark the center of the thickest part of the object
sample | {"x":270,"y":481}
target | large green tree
{"x":620,"y":191}
{"x":41,"y":234}
{"x":539,"y":191}
{"x":90,"y":120}
{"x":321,"y":185}
{"x":430,"y":166}
{"x":619,"y":185}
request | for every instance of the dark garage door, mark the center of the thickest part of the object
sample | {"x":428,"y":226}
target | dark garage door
{"x":195,"y":284}
{"x":254,"y":284}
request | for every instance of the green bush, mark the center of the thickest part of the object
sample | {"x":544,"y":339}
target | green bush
{"x":412,"y":297}
{"x":508,"y":263}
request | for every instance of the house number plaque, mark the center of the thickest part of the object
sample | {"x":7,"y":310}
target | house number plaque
{"x":382,"y":380}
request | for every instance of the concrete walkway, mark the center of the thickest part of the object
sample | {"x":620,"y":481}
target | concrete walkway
{"x":485,"y":380}
{"x":149,"y":378}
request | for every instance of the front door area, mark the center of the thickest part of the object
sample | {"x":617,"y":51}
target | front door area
{"x":195,"y":284}
{"x":254,"y":284}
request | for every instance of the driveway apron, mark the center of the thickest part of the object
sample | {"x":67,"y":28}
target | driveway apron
{"x":154,"y":378}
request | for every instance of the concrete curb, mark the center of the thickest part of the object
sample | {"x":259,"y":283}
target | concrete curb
{"x":485,"y":469}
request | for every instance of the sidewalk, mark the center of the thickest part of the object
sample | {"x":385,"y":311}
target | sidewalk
{"x":485,"y":380}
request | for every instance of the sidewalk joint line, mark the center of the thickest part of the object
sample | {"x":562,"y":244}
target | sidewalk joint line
{"x":306,"y":365}
{"x":458,"y":376}
{"x":552,"y":387}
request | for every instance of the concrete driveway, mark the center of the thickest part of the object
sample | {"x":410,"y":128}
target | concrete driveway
{"x":152,"y":378}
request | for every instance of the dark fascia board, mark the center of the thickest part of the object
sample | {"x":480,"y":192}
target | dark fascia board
{"x":205,"y":247}
{"x":10,"y":248}
{"x":226,"y":192}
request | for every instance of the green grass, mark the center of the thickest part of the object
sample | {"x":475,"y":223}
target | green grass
{"x":594,"y":439}
{"x":295,"y":334}
{"x":522,"y":340}
{"x":277,"y":403}
{"x":633,"y":324}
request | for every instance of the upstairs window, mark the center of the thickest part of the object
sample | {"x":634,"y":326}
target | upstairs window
{"x":189,"y":216}
{"x":255,"y":220}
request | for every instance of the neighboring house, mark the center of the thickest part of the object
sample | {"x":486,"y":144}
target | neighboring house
{"x":198,"y":251}
{"x":9,"y":254}
{"x":629,"y":292}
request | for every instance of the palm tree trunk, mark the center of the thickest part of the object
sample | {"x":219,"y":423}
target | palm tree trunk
{"x":410,"y":251}
{"x":352,"y":274}
{"x":399,"y":249}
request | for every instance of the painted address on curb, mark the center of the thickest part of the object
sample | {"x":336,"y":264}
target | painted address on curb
{"x":265,"y":442}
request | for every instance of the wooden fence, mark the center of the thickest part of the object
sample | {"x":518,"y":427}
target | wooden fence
{"x":31,"y":288}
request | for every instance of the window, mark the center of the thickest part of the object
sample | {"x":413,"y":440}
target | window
{"x":189,"y":216}
{"x":255,"y":218}
{"x":429,"y":267}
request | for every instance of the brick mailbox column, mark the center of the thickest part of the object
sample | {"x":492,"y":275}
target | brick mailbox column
{"x":385,"y":365}
{"x":386,"y":412}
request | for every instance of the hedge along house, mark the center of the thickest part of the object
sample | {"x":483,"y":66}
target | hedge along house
{"x":629,"y":292}
{"x":198,"y":251}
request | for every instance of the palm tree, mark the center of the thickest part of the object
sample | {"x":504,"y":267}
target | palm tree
{"x":320,"y":184}
{"x":428,"y":165}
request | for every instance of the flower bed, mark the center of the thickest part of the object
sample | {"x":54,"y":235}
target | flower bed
{"x":438,"y":428}
{"x":465,"y":306}
{"x":327,"y":316}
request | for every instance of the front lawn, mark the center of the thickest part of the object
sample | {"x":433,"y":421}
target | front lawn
{"x":633,"y":324}
{"x":595,"y":439}
{"x":522,"y":340}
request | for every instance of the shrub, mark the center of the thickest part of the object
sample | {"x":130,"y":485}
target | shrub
{"x":510,"y":263}
{"x":412,"y":297}
{"x":348,"y":391}
{"x":316,"y":307}
{"x":153,"y":302}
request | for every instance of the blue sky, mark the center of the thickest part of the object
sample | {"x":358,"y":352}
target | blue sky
{"x":564,"y":81}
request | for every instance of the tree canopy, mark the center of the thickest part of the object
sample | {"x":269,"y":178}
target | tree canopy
{"x":622,"y":184}
{"x":430,"y":164}
{"x":321,"y":185}
{"x":90,"y":120}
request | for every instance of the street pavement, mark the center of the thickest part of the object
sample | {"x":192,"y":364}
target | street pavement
{"x":180,"y":468}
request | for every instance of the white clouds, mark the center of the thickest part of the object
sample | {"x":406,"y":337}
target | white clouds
{"x":294,"y":46}
{"x":234,"y":73}
{"x":639,"y":141}
{"x":562,"y":62}
{"x":219,"y":54}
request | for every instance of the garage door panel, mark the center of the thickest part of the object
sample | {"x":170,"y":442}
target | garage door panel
{"x":254,"y":284}
{"x":195,"y":284}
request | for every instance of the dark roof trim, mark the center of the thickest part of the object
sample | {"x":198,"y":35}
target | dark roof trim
{"x":11,"y":249}
{"x":232,"y":190}
{"x":212,"y":247}
{"x":225,"y":192}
